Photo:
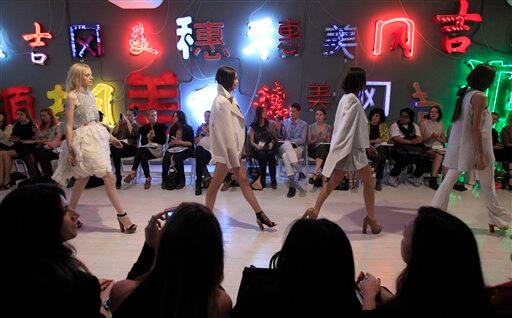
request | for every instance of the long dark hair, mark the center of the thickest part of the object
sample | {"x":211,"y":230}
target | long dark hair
{"x":257,"y":116}
{"x":53,"y":118}
{"x":480,"y":78}
{"x":443,"y":277}
{"x":316,"y":271}
{"x":226,"y":77}
{"x":4,"y":122}
{"x":355,"y":81}
{"x":182,"y":118}
{"x":27,"y":114}
{"x":189,"y":265}
{"x":33,"y":243}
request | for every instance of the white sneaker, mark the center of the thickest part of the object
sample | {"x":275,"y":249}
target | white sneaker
{"x":393,"y":181}
{"x":415,"y":182}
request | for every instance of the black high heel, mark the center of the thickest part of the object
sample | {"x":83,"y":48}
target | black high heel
{"x":122,"y":219}
{"x":262,"y":219}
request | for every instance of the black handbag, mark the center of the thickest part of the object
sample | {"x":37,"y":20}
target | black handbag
{"x":253,"y":172}
{"x":172,"y":176}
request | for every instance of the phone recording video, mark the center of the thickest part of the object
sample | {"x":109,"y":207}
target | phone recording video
{"x":169,"y":212}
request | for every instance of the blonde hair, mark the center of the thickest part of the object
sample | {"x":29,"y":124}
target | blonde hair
{"x":76,"y":73}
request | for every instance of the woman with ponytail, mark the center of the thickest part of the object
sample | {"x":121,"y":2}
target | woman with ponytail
{"x":470,"y":146}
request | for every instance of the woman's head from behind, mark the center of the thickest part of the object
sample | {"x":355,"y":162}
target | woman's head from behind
{"x":227,"y":78}
{"x":481,"y":77}
{"x":443,"y":264}
{"x":355,"y":81}
{"x":316,"y":267}
{"x":189,"y":262}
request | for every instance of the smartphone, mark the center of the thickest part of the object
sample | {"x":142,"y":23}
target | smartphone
{"x":169,"y":212}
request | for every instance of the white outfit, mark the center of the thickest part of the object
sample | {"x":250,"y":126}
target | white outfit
{"x":461,"y":156}
{"x":349,"y":138}
{"x":290,"y":156}
{"x":227,"y":130}
{"x":90,"y":143}
{"x":394,"y":131}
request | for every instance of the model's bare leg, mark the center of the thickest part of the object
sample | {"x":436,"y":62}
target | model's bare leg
{"x":220,"y":172}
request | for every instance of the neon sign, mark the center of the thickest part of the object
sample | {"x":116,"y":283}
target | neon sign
{"x":138,"y":41}
{"x":404,"y":39}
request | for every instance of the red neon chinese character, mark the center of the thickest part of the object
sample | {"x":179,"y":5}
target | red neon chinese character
{"x":320,"y":95}
{"x":164,"y":100}
{"x":291,"y":37}
{"x":273,"y":100}
{"x":138,"y":41}
{"x":457,"y":44}
{"x":36,"y":37}
{"x":15,"y":98}
{"x":208,"y":35}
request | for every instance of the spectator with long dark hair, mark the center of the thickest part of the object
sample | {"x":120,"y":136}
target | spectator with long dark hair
{"x":408,"y":148}
{"x":315,"y":277}
{"x":379,"y":133}
{"x":319,"y":138}
{"x":181,"y":147}
{"x":443,"y":276}
{"x":42,"y":276}
{"x":185,"y":278}
{"x":5,"y":132}
{"x":434,"y":137}
{"x":47,"y":132}
{"x":470,"y":146}
{"x":263,"y":139}
{"x":24,"y":130}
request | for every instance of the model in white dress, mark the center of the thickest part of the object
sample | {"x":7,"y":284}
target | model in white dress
{"x":348,"y":153}
{"x":461,"y":155}
{"x":86,"y":150}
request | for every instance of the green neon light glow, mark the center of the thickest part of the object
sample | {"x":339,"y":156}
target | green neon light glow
{"x":500,"y":93}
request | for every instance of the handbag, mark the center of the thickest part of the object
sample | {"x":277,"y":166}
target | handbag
{"x":253,"y":172}
{"x":172,"y":176}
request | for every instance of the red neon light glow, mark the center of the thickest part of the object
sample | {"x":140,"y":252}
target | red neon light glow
{"x":458,"y":19}
{"x":405,"y":39}
{"x":138,"y":41}
{"x":458,"y":44}
{"x":208,"y":35}
{"x":291,"y":40}
{"x":36,"y":37}
{"x":319,"y":96}
{"x":273,"y":100}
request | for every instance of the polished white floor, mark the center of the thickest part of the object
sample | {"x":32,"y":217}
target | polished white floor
{"x":110,"y":254}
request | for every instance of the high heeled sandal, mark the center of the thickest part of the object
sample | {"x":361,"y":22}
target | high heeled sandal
{"x":310,"y":214}
{"x":492,"y":228}
{"x":128,"y":230}
{"x":130,"y":177}
{"x":262,"y":219}
{"x":375,"y":228}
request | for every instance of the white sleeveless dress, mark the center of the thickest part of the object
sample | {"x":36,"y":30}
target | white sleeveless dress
{"x":90,"y":143}
{"x":460,"y":154}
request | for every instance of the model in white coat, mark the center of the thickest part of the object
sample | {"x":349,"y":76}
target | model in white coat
{"x":348,"y":149}
{"x":227,"y":138}
{"x":470,"y":146}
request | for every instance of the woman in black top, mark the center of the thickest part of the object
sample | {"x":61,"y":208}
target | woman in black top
{"x":23,"y":130}
{"x":181,"y":147}
{"x":152,"y":141}
{"x":443,"y":277}
{"x":263,"y":137}
{"x":42,"y":277}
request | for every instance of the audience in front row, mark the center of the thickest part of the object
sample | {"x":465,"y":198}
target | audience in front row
{"x":202,"y":154}
{"x":263,"y":139}
{"x":434,"y":138}
{"x":379,"y":136}
{"x":408,"y":147}
{"x":152,"y":141}
{"x":50,"y":130}
{"x":181,"y":147}
{"x":319,"y":139}
{"x":185,"y":278}
{"x":127,"y":131}
{"x":506,"y":153}
{"x":293,"y":134}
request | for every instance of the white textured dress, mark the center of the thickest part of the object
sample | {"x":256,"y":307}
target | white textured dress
{"x":90,"y":143}
{"x":461,"y":154}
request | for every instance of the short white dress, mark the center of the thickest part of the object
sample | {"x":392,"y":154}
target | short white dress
{"x":91,"y":143}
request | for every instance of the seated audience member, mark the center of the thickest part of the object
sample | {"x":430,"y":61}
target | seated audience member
{"x":434,"y":137}
{"x":315,"y":277}
{"x":506,"y":140}
{"x":443,"y":276}
{"x":378,"y":133}
{"x":278,"y":120}
{"x":263,"y":139}
{"x":43,"y":278}
{"x":319,"y":135}
{"x":22,"y":136}
{"x":294,"y":133}
{"x":185,"y":279}
{"x":181,"y":147}
{"x":152,"y":141}
{"x":49,"y":129}
{"x":5,"y":132}
{"x":202,"y":154}
{"x":127,"y":131}
{"x":408,"y":147}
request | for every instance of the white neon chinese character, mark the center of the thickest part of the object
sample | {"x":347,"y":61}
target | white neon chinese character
{"x":185,"y":34}
{"x":262,"y":34}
